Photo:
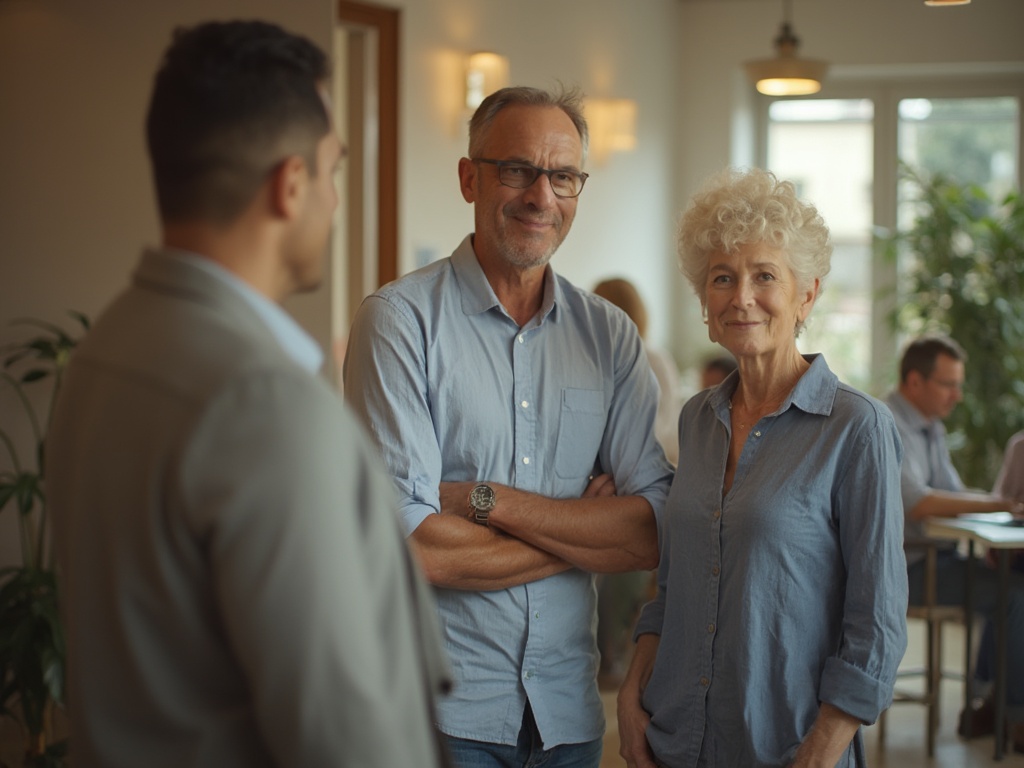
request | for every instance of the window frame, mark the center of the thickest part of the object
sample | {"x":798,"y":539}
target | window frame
{"x":886,"y":90}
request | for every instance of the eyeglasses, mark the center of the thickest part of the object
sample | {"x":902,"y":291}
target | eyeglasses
{"x":947,"y":384}
{"x":564,"y":183}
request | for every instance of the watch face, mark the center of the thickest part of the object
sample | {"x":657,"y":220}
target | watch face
{"x":482,"y":498}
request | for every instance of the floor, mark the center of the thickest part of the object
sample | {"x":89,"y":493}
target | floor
{"x":905,"y":744}
{"x":904,"y":741}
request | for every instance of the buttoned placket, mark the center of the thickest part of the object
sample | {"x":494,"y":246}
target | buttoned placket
{"x":526,"y":477}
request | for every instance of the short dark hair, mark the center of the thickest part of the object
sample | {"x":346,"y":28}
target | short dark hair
{"x":921,"y":353}
{"x":569,"y":101}
{"x":230,"y":101}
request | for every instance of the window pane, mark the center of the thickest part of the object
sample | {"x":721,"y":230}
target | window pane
{"x":973,"y":141}
{"x":825,"y":147}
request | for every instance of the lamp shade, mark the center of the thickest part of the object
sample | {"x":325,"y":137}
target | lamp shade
{"x":787,"y":74}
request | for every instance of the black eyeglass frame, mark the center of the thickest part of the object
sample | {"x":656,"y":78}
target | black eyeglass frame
{"x":501,"y":164}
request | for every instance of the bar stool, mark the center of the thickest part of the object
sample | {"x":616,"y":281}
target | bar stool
{"x":935,"y":617}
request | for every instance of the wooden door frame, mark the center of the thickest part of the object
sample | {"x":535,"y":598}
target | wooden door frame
{"x":386,"y":22}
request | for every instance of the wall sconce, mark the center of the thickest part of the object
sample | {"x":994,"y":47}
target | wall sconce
{"x":787,"y":74}
{"x":612,"y":127}
{"x":485,"y":73}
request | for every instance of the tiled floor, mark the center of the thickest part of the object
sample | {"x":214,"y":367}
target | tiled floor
{"x":905,"y":746}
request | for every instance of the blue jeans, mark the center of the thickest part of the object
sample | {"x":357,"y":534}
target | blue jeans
{"x":528,"y":752}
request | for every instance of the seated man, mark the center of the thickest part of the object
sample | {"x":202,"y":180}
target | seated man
{"x":931,"y":377}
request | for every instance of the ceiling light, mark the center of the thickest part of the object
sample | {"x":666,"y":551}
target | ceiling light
{"x":947,"y":2}
{"x":787,"y":74}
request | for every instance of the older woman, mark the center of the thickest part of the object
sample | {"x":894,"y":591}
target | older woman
{"x":782,"y":590}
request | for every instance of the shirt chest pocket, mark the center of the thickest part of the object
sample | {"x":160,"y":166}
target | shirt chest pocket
{"x":580,"y":429}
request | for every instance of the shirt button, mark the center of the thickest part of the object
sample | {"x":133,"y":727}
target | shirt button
{"x":705,"y":682}
{"x":526,"y":459}
{"x":536,"y":615}
{"x":758,"y":433}
{"x":717,"y":514}
{"x":528,"y":675}
{"x":715,"y":570}
{"x":520,"y":337}
{"x":711,"y":628}
{"x":525,"y":404}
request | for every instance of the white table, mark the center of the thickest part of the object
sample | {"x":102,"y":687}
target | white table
{"x":993,"y":531}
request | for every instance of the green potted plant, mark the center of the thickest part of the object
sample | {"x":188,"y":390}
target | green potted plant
{"x":32,"y":649}
{"x":963,"y":274}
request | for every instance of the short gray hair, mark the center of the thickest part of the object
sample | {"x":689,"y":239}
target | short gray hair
{"x":568,"y":100}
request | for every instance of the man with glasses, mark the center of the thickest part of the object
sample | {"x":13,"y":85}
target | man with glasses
{"x":931,"y":378}
{"x":504,"y":400}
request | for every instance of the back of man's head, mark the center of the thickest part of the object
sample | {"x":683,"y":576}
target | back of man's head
{"x":921,"y":353}
{"x":230,"y":101}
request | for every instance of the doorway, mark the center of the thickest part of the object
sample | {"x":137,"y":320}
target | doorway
{"x":365,"y":248}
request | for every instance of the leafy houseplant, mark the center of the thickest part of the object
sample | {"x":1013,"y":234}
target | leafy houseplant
{"x":31,"y":634}
{"x":964,"y":276}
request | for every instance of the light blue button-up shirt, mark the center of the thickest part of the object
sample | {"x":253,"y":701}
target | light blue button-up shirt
{"x":452,"y":389}
{"x":927,"y":465}
{"x":789,"y":591}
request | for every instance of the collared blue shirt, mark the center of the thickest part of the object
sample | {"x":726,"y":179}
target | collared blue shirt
{"x":452,"y":389}
{"x":789,"y":591}
{"x":298,"y":344}
{"x":927,"y":465}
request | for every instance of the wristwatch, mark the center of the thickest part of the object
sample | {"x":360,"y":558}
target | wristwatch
{"x":482,"y":501}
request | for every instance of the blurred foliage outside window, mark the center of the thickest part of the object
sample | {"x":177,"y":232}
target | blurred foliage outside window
{"x":960,"y":255}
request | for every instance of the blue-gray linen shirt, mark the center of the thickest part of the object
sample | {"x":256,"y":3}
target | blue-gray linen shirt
{"x":790,"y":591}
{"x":927,"y":464}
{"x":452,"y":389}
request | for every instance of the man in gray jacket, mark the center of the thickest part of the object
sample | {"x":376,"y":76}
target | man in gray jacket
{"x":236,"y":587}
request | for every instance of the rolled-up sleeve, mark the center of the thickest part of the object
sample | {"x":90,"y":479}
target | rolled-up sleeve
{"x":385,"y":384}
{"x":859,"y":678}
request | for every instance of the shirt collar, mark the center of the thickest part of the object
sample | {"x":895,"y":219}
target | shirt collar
{"x":815,"y":391}
{"x":477,"y":294}
{"x":909,"y":413}
{"x":294,"y":340}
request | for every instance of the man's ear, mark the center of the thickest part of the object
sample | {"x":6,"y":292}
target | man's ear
{"x":467,"y":179}
{"x":289,"y":182}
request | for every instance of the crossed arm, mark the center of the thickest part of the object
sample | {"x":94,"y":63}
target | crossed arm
{"x":531,"y":537}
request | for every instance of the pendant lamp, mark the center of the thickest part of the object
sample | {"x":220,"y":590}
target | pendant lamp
{"x":787,"y":74}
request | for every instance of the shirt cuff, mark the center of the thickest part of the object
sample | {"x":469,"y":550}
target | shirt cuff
{"x":852,"y":690}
